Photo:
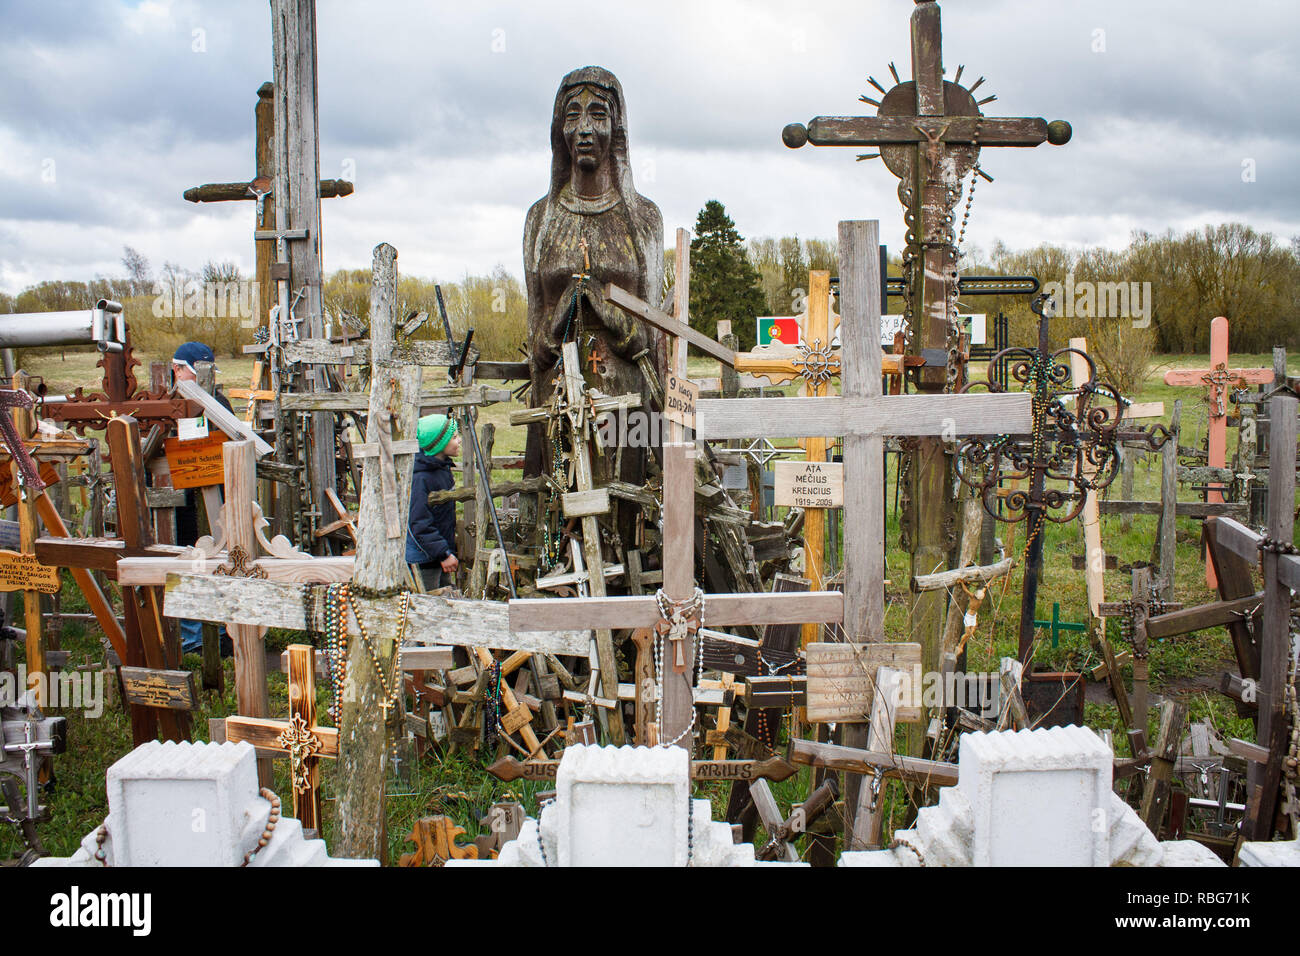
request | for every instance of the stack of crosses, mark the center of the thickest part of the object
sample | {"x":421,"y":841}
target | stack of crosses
{"x":379,"y":570}
{"x":862,"y":416}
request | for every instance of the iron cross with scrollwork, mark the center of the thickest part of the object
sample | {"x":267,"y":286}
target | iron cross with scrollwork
{"x":1072,"y":449}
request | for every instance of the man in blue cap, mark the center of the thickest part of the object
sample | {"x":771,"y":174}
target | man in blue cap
{"x":431,"y":532}
{"x":186,"y":357}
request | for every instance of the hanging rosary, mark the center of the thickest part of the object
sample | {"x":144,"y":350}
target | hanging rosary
{"x":678,"y":621}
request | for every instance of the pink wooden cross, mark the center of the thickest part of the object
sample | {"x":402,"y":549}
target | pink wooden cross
{"x":1218,"y":377}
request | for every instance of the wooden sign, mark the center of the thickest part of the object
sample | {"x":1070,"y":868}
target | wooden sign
{"x":149,"y":687}
{"x":809,"y":484}
{"x":842,"y":680}
{"x":198,"y":463}
{"x":773,"y":768}
{"x":775,"y":692}
{"x":22,"y":572}
{"x":680,"y":397}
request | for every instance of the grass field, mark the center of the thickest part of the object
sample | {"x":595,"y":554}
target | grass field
{"x":1187,"y":667}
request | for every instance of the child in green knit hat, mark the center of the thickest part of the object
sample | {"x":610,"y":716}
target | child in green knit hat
{"x":431,"y":532}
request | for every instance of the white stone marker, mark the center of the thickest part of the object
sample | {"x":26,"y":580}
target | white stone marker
{"x":624,"y":806}
{"x":193,"y":804}
{"x":1032,"y":798}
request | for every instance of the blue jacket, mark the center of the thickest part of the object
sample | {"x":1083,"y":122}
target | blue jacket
{"x":431,"y":532}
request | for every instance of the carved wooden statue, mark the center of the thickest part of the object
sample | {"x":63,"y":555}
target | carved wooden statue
{"x":592,"y":222}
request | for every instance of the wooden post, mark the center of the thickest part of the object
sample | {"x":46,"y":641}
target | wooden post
{"x":297,"y":206}
{"x":1275,"y":644}
{"x":238,"y":458}
{"x":1155,"y":796}
{"x":864,"y":464}
{"x":1094,"y":553}
{"x":28,"y":522}
{"x":1169,"y":502}
{"x":394,"y":401}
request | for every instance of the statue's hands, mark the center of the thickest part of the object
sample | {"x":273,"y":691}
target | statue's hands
{"x":627,"y":333}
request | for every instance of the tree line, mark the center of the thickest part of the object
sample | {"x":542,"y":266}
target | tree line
{"x":1170,"y":285}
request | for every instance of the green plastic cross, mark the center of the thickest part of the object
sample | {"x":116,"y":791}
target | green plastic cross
{"x":1056,"y":625}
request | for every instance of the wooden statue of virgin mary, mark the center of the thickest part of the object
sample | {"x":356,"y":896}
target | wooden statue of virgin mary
{"x":591,"y":227}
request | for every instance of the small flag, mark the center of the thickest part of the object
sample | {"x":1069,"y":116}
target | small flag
{"x":778,"y":330}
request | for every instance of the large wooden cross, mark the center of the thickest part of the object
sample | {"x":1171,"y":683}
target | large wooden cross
{"x":379,"y":566}
{"x":1216,"y":380}
{"x":864,"y":417}
{"x":930,"y":132}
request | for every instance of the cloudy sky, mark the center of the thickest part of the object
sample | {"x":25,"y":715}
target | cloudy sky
{"x":439,"y":112}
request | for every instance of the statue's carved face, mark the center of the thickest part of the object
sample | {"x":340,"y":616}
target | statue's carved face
{"x":588,"y":127}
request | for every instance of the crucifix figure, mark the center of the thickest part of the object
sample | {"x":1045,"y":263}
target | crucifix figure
{"x":929,"y":131}
{"x":1217,"y":378}
{"x":299,"y":738}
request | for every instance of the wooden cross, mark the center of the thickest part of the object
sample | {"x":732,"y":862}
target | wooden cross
{"x":1216,"y":380}
{"x":379,"y":566}
{"x":300,"y":738}
{"x":260,"y":190}
{"x":1135,"y":612}
{"x":930,"y":132}
{"x":1281,"y":574}
{"x":676,"y":719}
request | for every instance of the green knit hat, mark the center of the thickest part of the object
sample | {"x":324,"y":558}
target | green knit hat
{"x":434,"y":432}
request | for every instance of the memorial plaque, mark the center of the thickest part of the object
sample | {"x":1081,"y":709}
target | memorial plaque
{"x":22,"y":572}
{"x":842,"y":680}
{"x":150,"y":687}
{"x":198,"y":463}
{"x":680,"y":398}
{"x":809,"y":484}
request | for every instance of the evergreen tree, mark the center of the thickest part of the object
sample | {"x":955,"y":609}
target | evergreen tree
{"x":724,"y":283}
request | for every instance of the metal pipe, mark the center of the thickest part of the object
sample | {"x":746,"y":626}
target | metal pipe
{"x":484,"y":476}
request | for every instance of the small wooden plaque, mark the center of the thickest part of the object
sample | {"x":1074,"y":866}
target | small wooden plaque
{"x":198,"y":463}
{"x":809,"y":484}
{"x":149,"y":687}
{"x":842,"y":680}
{"x":680,"y":398}
{"x":513,"y":720}
{"x":22,"y":572}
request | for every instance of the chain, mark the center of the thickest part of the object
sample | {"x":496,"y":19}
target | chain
{"x":392,"y":686}
{"x":970,"y":190}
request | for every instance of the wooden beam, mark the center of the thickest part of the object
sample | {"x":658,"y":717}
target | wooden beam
{"x":973,"y":414}
{"x":433,"y":619}
{"x":662,"y":320}
{"x":720,"y":610}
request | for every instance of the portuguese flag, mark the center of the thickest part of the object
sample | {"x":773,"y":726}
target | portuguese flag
{"x":778,"y":330}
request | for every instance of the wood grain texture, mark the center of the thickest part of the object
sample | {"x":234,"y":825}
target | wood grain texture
{"x":912,"y":769}
{"x":865,"y":416}
{"x":450,"y":395}
{"x":154,"y":571}
{"x":217,"y":415}
{"x":427,"y":354}
{"x":433,"y":620}
{"x":842,"y":680}
{"x":662,"y":320}
{"x":720,"y":610}
{"x":888,"y":130}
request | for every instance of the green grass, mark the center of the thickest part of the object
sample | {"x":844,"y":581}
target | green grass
{"x":459,"y":787}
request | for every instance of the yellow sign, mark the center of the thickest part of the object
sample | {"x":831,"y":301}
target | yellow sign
{"x":679,"y":400}
{"x":22,"y":572}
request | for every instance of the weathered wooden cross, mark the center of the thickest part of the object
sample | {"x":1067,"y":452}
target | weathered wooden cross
{"x":1216,"y":380}
{"x":930,"y":132}
{"x":1280,"y":564}
{"x":378,"y":572}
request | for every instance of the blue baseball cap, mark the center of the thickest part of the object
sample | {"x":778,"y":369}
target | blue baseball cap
{"x":191,"y":352}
